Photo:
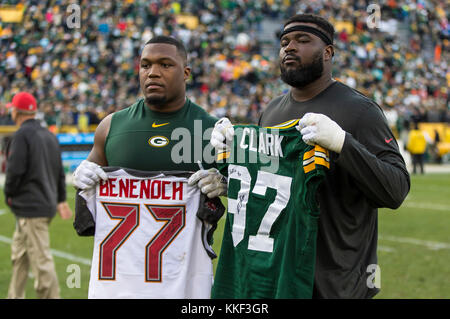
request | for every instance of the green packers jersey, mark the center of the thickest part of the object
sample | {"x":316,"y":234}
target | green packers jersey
{"x":142,"y":139}
{"x":269,"y":241}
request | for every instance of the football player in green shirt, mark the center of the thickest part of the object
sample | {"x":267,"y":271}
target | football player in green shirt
{"x":163,"y":131}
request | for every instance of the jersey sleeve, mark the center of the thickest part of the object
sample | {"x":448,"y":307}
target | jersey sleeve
{"x":223,"y":159}
{"x":84,"y":222}
{"x":316,"y":162}
{"x":209,"y":212}
{"x":222,"y":163}
{"x":371,"y":156}
{"x":316,"y":158}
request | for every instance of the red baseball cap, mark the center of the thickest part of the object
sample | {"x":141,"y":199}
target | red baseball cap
{"x":24,"y":102}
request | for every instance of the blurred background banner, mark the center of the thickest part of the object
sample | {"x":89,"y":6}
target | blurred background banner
{"x":190,"y":21}
{"x":11,"y":14}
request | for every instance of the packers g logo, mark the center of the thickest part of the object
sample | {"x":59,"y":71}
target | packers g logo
{"x":158,"y":141}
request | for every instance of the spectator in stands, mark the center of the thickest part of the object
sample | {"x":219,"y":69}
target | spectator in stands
{"x":435,"y":147}
{"x":417,"y":145}
{"x":5,"y":117}
{"x":400,"y":61}
{"x":66,"y":115}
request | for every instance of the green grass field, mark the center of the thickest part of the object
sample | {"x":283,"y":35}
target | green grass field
{"x":414,"y":245}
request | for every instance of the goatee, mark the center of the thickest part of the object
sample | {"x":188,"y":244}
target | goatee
{"x":304,"y":74}
{"x":158,"y":101}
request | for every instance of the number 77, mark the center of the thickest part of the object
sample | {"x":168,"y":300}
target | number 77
{"x":174,"y":221}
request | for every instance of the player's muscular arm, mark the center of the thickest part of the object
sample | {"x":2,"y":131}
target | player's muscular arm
{"x":97,"y":154}
{"x":87,"y":175}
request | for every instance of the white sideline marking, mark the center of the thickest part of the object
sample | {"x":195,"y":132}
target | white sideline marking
{"x":386,"y":249}
{"x":434,"y":245}
{"x":426,"y":206}
{"x":3,"y":211}
{"x":57,"y":253}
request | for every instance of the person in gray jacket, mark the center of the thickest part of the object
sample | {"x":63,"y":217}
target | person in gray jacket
{"x":34,"y":190}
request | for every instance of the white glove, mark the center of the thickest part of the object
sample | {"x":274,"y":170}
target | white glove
{"x":87,"y":175}
{"x":320,"y":129}
{"x":210,"y":182}
{"x":222,"y":135}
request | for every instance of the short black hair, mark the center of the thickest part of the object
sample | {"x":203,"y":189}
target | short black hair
{"x":181,"y":49}
{"x":315,"y":19}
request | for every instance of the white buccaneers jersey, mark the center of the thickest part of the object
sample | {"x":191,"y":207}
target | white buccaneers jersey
{"x":147,"y":240}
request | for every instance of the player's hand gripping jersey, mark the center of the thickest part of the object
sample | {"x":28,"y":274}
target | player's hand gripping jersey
{"x":148,"y":238}
{"x":268,"y":248}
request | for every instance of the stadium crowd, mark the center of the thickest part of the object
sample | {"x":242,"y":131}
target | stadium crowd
{"x":80,"y":74}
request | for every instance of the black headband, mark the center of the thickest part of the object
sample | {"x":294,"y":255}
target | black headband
{"x":308,"y":29}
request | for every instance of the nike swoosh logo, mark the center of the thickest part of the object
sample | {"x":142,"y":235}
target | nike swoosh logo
{"x":388,"y":140}
{"x":158,"y":125}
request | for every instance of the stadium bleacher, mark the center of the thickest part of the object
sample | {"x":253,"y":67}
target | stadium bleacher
{"x":81,"y":74}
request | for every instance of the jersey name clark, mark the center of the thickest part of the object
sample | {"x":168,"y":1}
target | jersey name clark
{"x":141,"y":189}
{"x":262,"y":142}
